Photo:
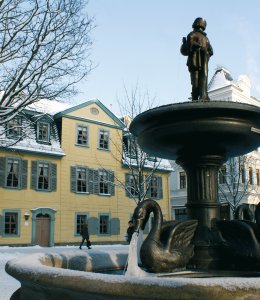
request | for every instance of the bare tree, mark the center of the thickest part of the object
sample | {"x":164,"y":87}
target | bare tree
{"x":236,"y":180}
{"x":44,"y":51}
{"x":140,"y":181}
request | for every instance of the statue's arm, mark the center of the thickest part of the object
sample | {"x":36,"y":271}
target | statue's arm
{"x":184,"y":47}
{"x":210,"y":49}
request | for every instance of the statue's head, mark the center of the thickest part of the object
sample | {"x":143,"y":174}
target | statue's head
{"x":199,"y":23}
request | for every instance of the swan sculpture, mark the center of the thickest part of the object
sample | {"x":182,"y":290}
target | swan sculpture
{"x":167,"y":246}
{"x":241,"y":242}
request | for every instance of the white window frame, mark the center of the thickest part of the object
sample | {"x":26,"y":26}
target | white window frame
{"x":82,"y":127}
{"x":106,"y":134}
{"x":48,"y":132}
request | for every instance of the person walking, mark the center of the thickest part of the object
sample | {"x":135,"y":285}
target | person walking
{"x":130,"y":231}
{"x":85,"y":236}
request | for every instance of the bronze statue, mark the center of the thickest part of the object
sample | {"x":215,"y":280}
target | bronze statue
{"x":241,"y":245}
{"x":198,"y":49}
{"x":167,"y":246}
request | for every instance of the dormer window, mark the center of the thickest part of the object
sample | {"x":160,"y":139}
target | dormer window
{"x":14,"y":128}
{"x":43,"y":132}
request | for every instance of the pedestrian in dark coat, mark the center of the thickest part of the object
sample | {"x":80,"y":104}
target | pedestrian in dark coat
{"x":85,"y":236}
{"x":130,"y":231}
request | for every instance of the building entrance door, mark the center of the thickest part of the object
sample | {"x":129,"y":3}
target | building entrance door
{"x":43,"y":230}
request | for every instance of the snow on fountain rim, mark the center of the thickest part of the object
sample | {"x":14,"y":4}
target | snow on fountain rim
{"x":32,"y":265}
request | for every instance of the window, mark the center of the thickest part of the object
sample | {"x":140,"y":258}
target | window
{"x":82,"y":135}
{"x":103,"y":224}
{"x":103,"y":139}
{"x":43,"y":176}
{"x":222,"y":175}
{"x":43,"y":132}
{"x":81,"y":180}
{"x":181,"y":214}
{"x":130,"y":147}
{"x":11,"y":223}
{"x":257,"y":174}
{"x":182,"y":180}
{"x":250,"y":173}
{"x":155,"y":186}
{"x":103,"y":182}
{"x":92,"y":181}
{"x":12,"y":179}
{"x":14,"y":127}
{"x":132,"y":185}
{"x":13,"y":173}
{"x":81,"y":219}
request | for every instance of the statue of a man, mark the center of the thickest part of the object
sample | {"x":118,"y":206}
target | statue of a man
{"x":198,"y":49}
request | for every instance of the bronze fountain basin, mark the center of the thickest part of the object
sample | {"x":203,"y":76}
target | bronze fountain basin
{"x":200,"y":136}
{"x":198,"y":128}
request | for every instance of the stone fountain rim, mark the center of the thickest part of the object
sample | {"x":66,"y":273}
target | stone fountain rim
{"x":31,"y":269}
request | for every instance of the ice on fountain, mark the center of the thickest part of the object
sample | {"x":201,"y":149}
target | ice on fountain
{"x":134,"y":257}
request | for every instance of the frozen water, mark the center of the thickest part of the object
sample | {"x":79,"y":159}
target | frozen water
{"x":132,"y":268}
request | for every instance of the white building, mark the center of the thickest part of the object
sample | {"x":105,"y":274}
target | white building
{"x":222,"y":87}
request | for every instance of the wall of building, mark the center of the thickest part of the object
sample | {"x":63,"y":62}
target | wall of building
{"x":63,"y":205}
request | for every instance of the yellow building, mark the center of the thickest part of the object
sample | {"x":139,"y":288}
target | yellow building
{"x":65,"y":171}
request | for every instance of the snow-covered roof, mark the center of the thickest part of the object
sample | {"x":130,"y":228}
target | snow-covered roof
{"x":47,"y":106}
{"x":221,"y":78}
{"x":28,"y":140}
{"x":160,"y":164}
{"x":223,"y":87}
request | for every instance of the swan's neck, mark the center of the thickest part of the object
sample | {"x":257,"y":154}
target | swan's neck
{"x":155,"y":231}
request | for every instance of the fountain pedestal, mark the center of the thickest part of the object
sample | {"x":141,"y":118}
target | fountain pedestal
{"x":200,"y":136}
{"x":202,"y":204}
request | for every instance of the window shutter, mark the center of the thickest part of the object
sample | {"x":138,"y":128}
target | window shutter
{"x":1,"y":225}
{"x":115,"y":226}
{"x":91,"y":181}
{"x":73,"y":179}
{"x":34,"y":175}
{"x":53,"y":177}
{"x":111,"y":182}
{"x":148,"y":183}
{"x":24,"y":173}
{"x":2,"y":171}
{"x":160,"y":188}
{"x":96,"y":181}
{"x":93,"y":226}
{"x":127,"y":185}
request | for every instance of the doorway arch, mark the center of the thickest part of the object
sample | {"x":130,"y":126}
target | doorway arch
{"x":43,"y":220}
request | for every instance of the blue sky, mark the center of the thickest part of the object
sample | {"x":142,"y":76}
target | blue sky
{"x":138,"y":42}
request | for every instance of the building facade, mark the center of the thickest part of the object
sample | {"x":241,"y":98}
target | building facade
{"x":59,"y":168}
{"x":246,"y":177}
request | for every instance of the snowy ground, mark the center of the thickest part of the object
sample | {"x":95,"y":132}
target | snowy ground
{"x":8,"y":285}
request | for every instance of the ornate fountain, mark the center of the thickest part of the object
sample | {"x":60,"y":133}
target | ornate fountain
{"x":200,"y":135}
